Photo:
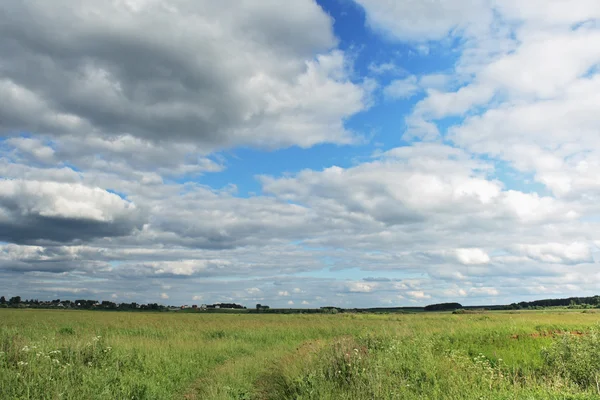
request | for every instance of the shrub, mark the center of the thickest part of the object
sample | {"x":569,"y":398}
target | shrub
{"x":66,"y":330}
{"x":576,"y":358}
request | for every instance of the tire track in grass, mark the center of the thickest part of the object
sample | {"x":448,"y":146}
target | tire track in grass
{"x":242,"y":377}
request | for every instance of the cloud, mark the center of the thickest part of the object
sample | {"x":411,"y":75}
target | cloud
{"x":484,"y":291}
{"x":360,"y":287}
{"x":416,"y":20}
{"x":164,"y":296}
{"x":402,"y":88}
{"x":385,"y":68}
{"x":113,"y":171}
{"x":560,"y":253}
{"x":255,"y":74}
{"x":472,"y":256}
{"x":418,"y":295}
{"x":41,"y":210}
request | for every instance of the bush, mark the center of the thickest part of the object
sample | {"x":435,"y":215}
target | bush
{"x":66,"y":330}
{"x":576,"y":358}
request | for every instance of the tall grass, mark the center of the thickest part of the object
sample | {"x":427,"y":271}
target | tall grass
{"x":48,"y":354}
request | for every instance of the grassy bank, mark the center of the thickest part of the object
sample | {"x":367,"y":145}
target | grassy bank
{"x":102,"y":355}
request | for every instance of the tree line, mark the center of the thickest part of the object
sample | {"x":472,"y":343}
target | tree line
{"x":86,"y":304}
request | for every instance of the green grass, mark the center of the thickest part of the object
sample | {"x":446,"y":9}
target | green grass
{"x":47,"y":354}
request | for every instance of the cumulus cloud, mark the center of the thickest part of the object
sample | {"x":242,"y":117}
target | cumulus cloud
{"x":419,"y":21}
{"x":402,"y":88}
{"x":418,"y":295}
{"x":212,"y":75}
{"x":472,"y":256}
{"x":40,"y":210}
{"x":360,"y":287}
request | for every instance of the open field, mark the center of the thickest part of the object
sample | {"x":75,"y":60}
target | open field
{"x":102,"y":355}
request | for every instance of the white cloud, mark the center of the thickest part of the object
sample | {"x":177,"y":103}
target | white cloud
{"x":164,"y":296}
{"x":418,"y":20}
{"x":283,"y":293}
{"x":472,"y":256}
{"x":198,"y":298}
{"x":360,"y":287}
{"x":435,"y":81}
{"x":402,"y":88}
{"x":484,"y":291}
{"x":253,"y":291}
{"x":385,"y":68}
{"x":560,"y":253}
{"x":418,"y":295}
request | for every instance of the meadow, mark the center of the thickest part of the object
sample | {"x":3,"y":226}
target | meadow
{"x":50,"y":354}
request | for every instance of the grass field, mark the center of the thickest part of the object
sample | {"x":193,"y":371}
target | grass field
{"x":47,"y":354}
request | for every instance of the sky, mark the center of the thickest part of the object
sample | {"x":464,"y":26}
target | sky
{"x":352,"y":153}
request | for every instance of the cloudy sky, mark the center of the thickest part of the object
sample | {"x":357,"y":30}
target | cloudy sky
{"x":300,"y":153}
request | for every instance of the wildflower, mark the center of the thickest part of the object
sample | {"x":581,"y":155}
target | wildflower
{"x":21,"y":363}
{"x":25,"y":349}
{"x":55,"y":361}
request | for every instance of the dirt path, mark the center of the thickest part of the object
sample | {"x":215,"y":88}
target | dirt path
{"x":242,"y":377}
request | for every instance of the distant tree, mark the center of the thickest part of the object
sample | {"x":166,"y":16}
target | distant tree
{"x":15,"y":300}
{"x":443,"y":307}
{"x":2,"y":300}
{"x":108,"y":304}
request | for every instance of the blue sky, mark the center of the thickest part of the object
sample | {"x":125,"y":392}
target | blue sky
{"x":350,"y":153}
